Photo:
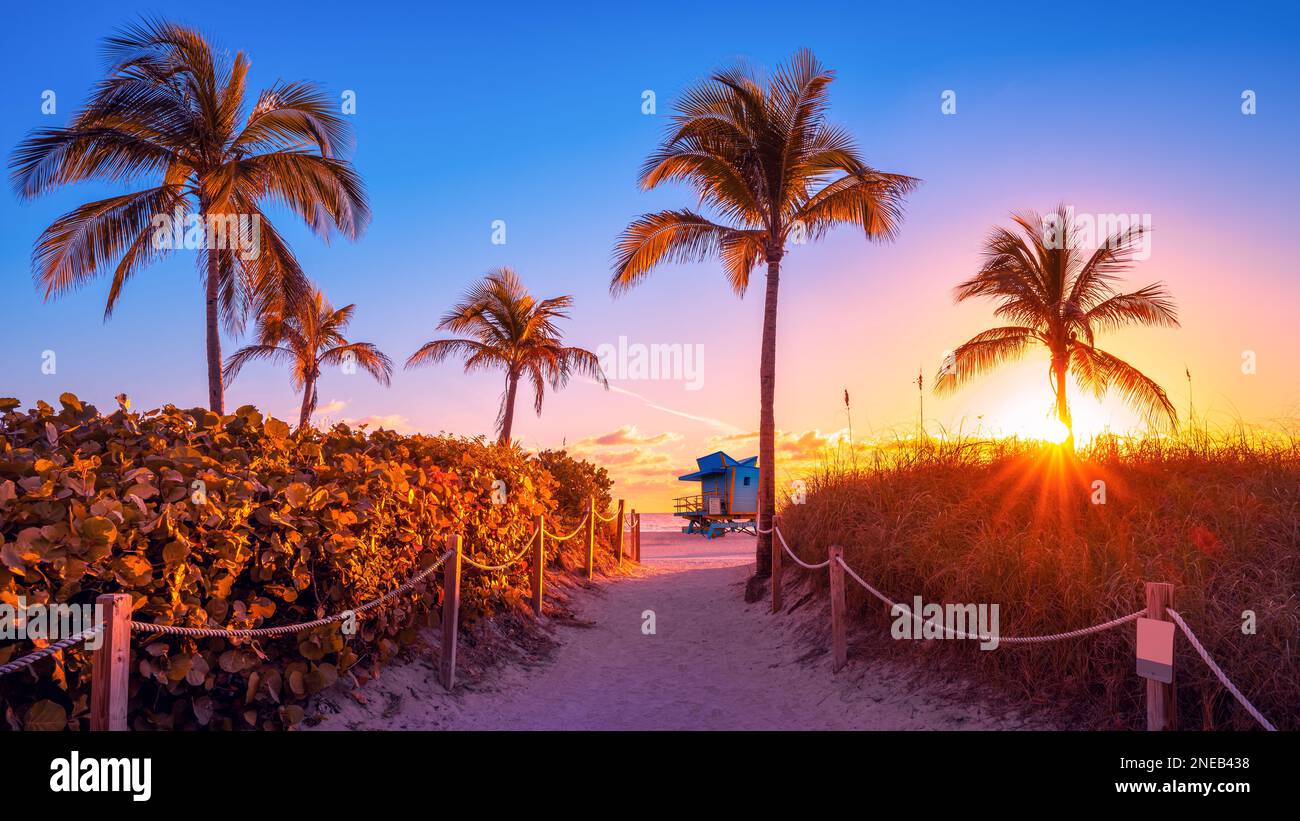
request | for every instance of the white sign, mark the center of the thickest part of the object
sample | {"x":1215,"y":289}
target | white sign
{"x":1155,"y":650}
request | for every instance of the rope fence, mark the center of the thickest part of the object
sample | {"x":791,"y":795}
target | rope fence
{"x":49,"y":650}
{"x":1160,"y":692}
{"x":798,"y":560}
{"x":287,"y":629}
{"x":507,"y":563}
{"x":110,"y":665}
{"x":1218,"y":672}
{"x":572,"y":533}
{"x":958,"y":634}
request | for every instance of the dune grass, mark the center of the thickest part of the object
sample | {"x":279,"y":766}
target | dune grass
{"x":1015,"y":523}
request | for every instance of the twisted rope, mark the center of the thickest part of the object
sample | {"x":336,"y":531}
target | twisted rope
{"x":609,"y":518}
{"x":1214,"y":668}
{"x":283,"y":630}
{"x":494,"y":567}
{"x":49,"y":650}
{"x":797,"y":560}
{"x":1069,"y":634}
{"x":571,"y":535}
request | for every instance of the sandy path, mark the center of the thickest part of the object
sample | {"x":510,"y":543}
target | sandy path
{"x":713,"y":663}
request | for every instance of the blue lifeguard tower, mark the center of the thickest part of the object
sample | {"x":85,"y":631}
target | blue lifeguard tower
{"x":728,"y":497}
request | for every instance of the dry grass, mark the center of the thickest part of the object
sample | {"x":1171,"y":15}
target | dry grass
{"x":1012,"y":523}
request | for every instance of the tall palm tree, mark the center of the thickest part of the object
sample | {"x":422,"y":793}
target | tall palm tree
{"x":507,"y":328}
{"x":1056,"y":293}
{"x":172,"y":110}
{"x":765,"y":159}
{"x":309,"y":338}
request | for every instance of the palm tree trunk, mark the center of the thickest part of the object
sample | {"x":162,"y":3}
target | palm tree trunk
{"x":508,"y":412}
{"x":1060,"y":366}
{"x":216,"y":396}
{"x":308,"y":403}
{"x":767,"y":423}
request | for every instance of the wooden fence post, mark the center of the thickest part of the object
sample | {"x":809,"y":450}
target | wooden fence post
{"x":776,"y":567}
{"x":839,"y":647}
{"x":618,"y":539}
{"x":591,"y":537}
{"x":450,"y":612}
{"x":111,"y":664}
{"x":539,"y":566}
{"x":1162,"y":712}
{"x":636,"y":543}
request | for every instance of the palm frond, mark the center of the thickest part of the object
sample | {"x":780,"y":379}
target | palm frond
{"x":666,"y":236}
{"x":984,"y":352}
{"x":1152,"y":305}
{"x":252,"y":353}
{"x":325,"y":193}
{"x":1135,"y":388}
{"x":292,"y":117}
{"x":869,"y":199}
{"x":1112,"y":257}
{"x":366,"y":355}
{"x":438,"y":350}
{"x":52,"y":157}
{"x":81,"y":243}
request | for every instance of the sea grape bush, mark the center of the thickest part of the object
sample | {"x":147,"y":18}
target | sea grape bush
{"x":232,"y":521}
{"x":576,"y":482}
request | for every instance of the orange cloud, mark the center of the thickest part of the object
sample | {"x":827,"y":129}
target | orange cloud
{"x":393,"y":421}
{"x":628,"y":435}
{"x":806,"y":446}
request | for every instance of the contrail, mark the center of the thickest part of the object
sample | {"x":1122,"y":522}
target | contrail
{"x":716,"y":423}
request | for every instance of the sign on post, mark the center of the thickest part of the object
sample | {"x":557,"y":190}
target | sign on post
{"x":1155,"y":650}
{"x":1162,"y":705}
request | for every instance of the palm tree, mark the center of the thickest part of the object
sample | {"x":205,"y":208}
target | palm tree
{"x":309,"y":338}
{"x":766,"y":160}
{"x":1056,"y":293}
{"x":509,"y":329}
{"x":173,"y":110}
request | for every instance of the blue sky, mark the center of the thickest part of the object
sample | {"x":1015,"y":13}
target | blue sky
{"x":532,"y":114}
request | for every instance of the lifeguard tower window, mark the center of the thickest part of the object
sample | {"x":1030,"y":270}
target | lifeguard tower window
{"x":726,"y":501}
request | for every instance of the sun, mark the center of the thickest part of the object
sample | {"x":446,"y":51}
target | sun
{"x":1030,"y":416}
{"x":1055,"y":431}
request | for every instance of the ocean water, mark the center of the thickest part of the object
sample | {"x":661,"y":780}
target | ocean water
{"x":661,"y":523}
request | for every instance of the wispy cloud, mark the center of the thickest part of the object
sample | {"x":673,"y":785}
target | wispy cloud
{"x":331,"y":407}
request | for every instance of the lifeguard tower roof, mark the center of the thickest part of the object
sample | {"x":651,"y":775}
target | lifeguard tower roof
{"x":714,"y":464}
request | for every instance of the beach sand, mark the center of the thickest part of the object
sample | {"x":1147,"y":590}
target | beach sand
{"x":713,"y":663}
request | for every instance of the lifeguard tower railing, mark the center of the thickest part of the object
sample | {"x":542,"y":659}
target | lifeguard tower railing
{"x":698,"y":504}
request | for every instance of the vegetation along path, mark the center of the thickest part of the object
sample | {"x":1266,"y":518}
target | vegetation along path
{"x":712,"y":662}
